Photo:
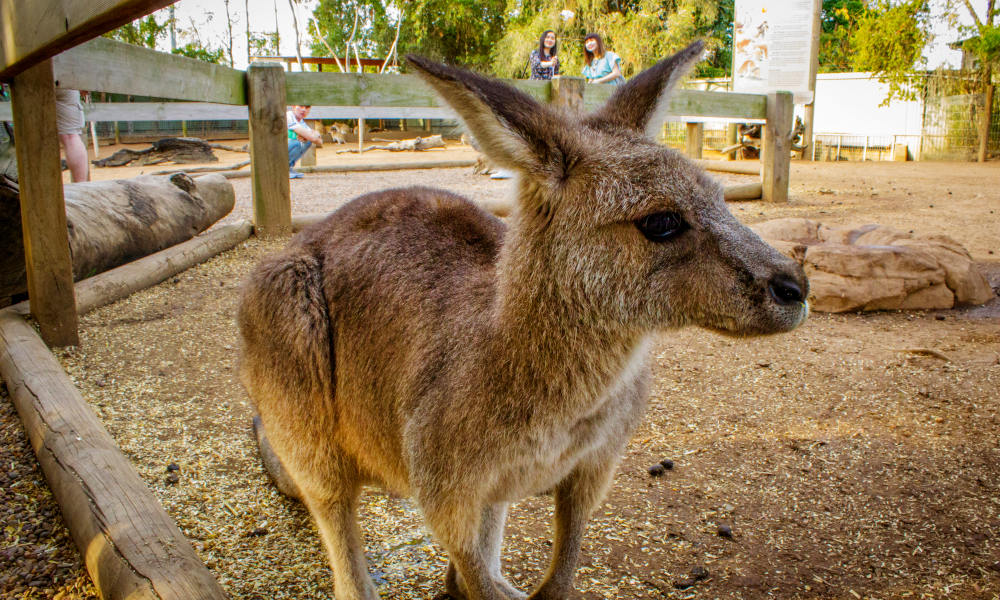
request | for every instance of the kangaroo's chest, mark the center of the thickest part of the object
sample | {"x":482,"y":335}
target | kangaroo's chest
{"x":551,"y":453}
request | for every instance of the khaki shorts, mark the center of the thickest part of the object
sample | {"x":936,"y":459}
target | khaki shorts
{"x":69,"y":112}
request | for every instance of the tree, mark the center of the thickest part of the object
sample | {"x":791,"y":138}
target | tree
{"x":197,"y":51}
{"x":985,"y":46}
{"x":145,"y":31}
{"x":889,"y":42}
{"x":838,"y":22}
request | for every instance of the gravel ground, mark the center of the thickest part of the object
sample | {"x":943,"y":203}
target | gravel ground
{"x":839,"y":461}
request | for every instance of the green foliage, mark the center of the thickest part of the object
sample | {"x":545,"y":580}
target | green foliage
{"x":986,"y":45}
{"x":889,"y":41}
{"x":197,"y":51}
{"x":640,"y":31}
{"x":457,"y":31}
{"x":265,"y":44}
{"x":838,"y":22}
{"x":142,"y":32}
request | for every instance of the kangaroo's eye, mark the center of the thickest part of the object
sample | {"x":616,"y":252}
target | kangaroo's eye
{"x":662,"y":226}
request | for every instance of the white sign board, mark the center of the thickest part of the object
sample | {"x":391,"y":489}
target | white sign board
{"x":771,"y":46}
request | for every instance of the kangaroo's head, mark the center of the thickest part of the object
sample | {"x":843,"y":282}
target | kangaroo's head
{"x":620,"y":230}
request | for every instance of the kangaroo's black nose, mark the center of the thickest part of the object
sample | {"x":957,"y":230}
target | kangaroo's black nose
{"x":785,"y":290}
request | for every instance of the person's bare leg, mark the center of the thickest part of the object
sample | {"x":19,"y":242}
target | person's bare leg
{"x":76,"y":156}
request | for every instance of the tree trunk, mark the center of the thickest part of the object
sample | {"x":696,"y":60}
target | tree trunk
{"x":111,"y":223}
{"x":986,"y":122}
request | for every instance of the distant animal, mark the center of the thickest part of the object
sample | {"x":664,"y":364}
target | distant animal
{"x":414,"y":341}
{"x":337,"y":131}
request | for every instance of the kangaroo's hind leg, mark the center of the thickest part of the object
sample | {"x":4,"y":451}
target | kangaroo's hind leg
{"x":334,"y":507}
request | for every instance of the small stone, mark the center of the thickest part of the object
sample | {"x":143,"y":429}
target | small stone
{"x":177,"y":279}
{"x":173,"y":467}
{"x":657,"y":470}
{"x":667,"y":464}
{"x":725,"y":531}
{"x":172,"y":478}
{"x":698,"y":573}
{"x":939,"y":317}
{"x":258,"y":532}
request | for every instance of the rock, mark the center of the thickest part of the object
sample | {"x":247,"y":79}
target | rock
{"x":725,"y":531}
{"x":667,"y":464}
{"x":172,"y":479}
{"x":790,"y":229}
{"x":656,"y":470}
{"x":878,"y":268}
{"x":173,"y":467}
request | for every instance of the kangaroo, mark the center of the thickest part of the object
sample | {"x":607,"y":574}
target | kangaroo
{"x":415,"y":342}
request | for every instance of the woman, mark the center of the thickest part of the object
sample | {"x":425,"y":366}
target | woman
{"x":544,"y":62}
{"x":601,"y":66}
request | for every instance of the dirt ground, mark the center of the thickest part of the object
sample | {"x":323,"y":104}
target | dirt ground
{"x":847,"y":461}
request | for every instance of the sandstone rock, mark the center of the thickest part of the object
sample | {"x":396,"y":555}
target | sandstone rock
{"x":829,"y":292}
{"x":878,"y":268}
{"x":789,"y":230}
{"x":879,"y":262}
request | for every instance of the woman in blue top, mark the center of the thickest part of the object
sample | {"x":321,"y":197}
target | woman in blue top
{"x":601,"y":66}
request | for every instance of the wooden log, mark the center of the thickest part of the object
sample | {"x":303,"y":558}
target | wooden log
{"x":777,"y":146}
{"x":745,"y":191}
{"x":695,"y":140}
{"x":114,"y":222}
{"x":131,"y":547}
{"x":741,"y":167}
{"x":272,"y":198}
{"x":46,"y":255}
{"x":568,"y":92}
{"x":119,"y":283}
{"x":177,"y":150}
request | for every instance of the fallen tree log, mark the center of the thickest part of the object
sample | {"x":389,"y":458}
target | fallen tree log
{"x":177,"y":150}
{"x":416,"y":144}
{"x":235,"y":167}
{"x":111,"y":223}
{"x":131,"y":547}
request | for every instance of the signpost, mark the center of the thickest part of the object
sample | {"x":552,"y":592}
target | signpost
{"x":775,"y":48}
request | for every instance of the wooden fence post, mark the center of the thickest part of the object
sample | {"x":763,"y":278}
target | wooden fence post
{"x":777,"y":147}
{"x":695,"y":139}
{"x":272,"y":200}
{"x":43,"y":210}
{"x":568,"y":92}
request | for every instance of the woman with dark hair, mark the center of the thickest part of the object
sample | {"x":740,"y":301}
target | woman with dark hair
{"x":544,"y":62}
{"x":600,"y":65}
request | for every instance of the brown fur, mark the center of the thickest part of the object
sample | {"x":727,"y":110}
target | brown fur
{"x":414,"y":342}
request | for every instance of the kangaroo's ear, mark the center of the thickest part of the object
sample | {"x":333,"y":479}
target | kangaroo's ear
{"x":641,"y":104}
{"x":512,"y":129}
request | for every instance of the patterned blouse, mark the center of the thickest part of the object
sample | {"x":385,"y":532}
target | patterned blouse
{"x":540,"y":72}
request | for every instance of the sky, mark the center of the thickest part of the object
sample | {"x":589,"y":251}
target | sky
{"x":208,"y":18}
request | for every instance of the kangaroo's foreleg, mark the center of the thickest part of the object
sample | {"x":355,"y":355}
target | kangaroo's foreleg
{"x":576,"y":497}
{"x":490,"y":540}
{"x":456,"y":523}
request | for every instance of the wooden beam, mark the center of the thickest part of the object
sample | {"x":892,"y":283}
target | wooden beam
{"x":776,"y":147}
{"x":695,"y":140}
{"x":692,"y":102}
{"x":48,"y":265}
{"x":369,"y":89}
{"x":272,"y":201}
{"x":131,"y":548}
{"x":35,"y":30}
{"x":209,"y":111}
{"x":742,"y":167}
{"x":106,"y":65}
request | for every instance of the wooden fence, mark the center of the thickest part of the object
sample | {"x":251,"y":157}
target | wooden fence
{"x":123,"y":565}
